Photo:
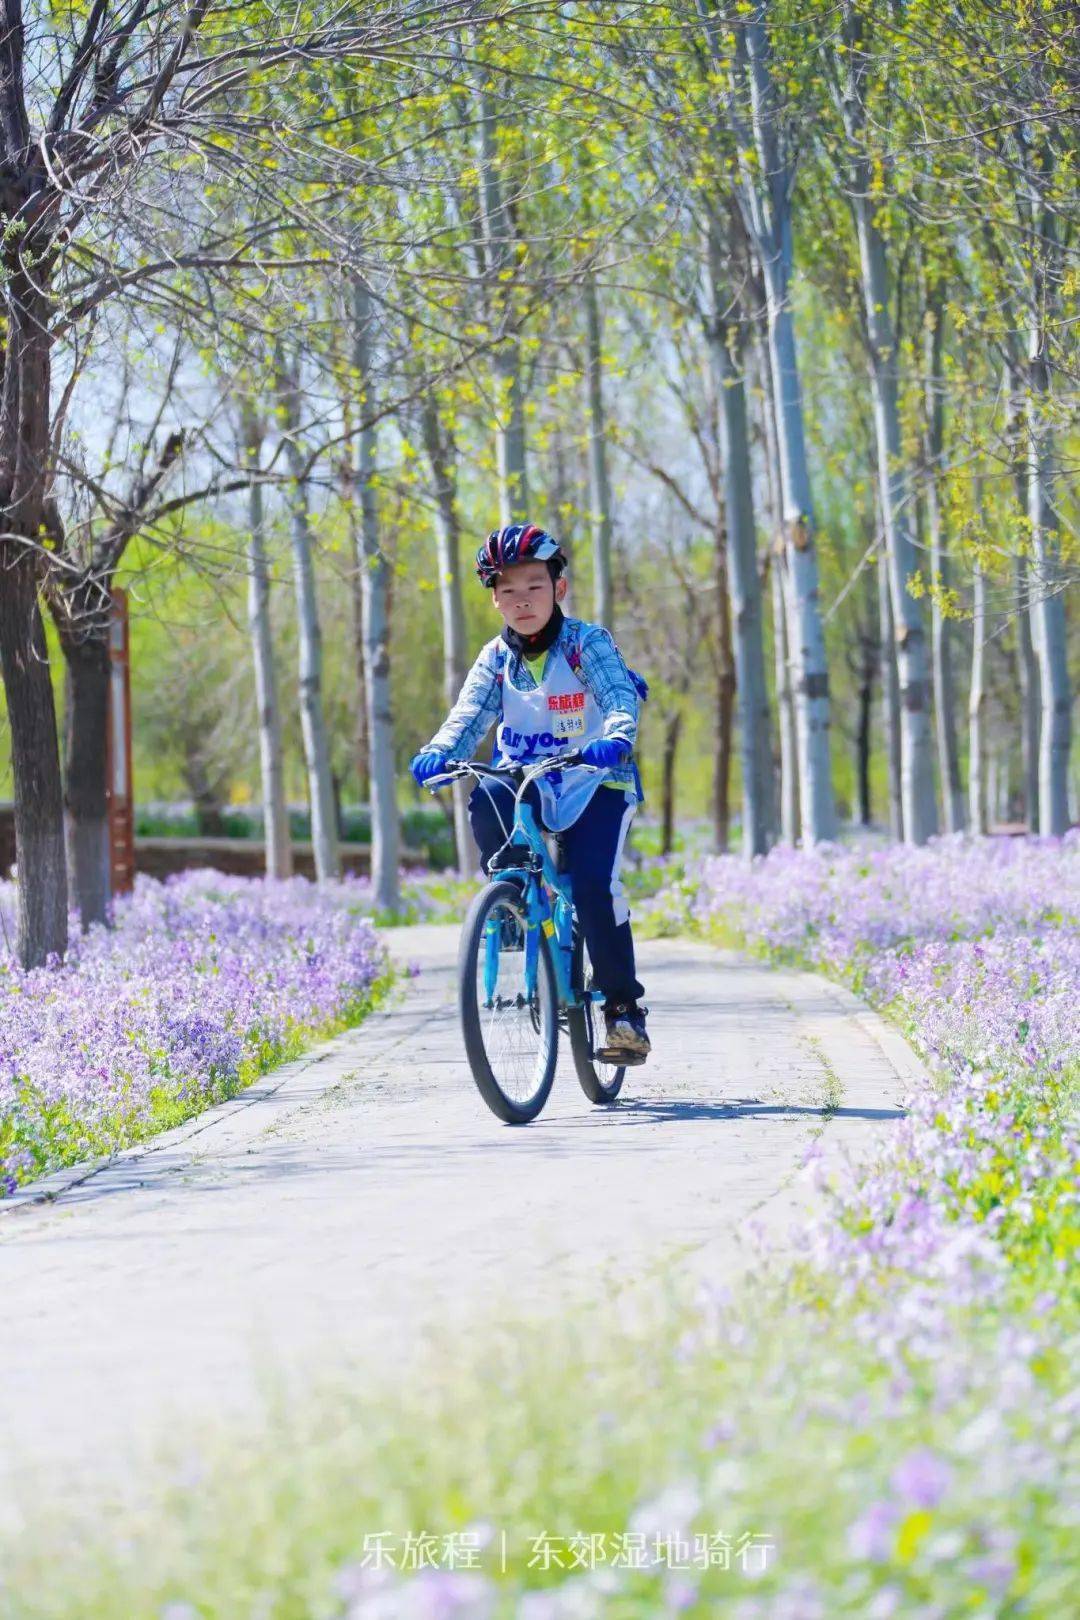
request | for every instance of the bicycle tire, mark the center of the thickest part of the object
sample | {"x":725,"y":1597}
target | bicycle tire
{"x":601,"y":1082}
{"x":507,"y":1108}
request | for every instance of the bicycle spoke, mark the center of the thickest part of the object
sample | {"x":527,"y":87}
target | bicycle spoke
{"x":511,"y":993}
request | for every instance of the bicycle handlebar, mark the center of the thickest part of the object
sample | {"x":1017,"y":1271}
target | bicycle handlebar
{"x":527,"y":773}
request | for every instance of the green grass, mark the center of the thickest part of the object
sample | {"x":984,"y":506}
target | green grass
{"x":782,"y":1424}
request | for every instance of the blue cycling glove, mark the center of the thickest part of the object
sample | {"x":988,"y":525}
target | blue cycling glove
{"x":428,"y":763}
{"x":606,"y":751}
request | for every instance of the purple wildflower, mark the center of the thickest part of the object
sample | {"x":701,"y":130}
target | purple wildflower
{"x":922,"y":1478}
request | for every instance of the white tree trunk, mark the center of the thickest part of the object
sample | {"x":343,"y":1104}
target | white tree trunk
{"x":806,"y":631}
{"x":375,"y":583}
{"x":766,"y":196}
{"x":785,"y":708}
{"x":916,"y":743}
{"x":324,"y":836}
{"x":977,"y":797}
{"x":1027,"y":676}
{"x":890,"y":699}
{"x":271,"y":752}
{"x":941,"y":631}
{"x":1027,"y":670}
{"x":440,"y":452}
{"x":1055,"y":730}
{"x":599,"y":483}
{"x":952,"y":787}
{"x":751,"y":691}
{"x":500,"y":250}
{"x":785,"y":795}
{"x":917,"y":748}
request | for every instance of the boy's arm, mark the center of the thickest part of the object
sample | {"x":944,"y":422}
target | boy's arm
{"x":604,"y":672}
{"x":478,"y":706}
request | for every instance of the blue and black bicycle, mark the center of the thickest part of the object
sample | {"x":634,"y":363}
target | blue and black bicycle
{"x":523,"y":967}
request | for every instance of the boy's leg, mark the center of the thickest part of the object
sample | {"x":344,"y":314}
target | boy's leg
{"x":491,"y":816}
{"x":594,"y":850}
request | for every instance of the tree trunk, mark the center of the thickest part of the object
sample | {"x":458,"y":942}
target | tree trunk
{"x":916,"y":749}
{"x":769,"y":207}
{"x":1027,"y":680}
{"x":271,"y":750}
{"x":599,"y":483}
{"x":375,"y":577}
{"x":672,"y":730}
{"x":785,"y":708}
{"x":35,"y":746}
{"x":869,"y":662}
{"x":501,"y":251}
{"x":863,"y":734}
{"x":204,"y":790}
{"x":993,"y":785}
{"x":361,"y":741}
{"x":941,"y":630}
{"x":753,"y":699}
{"x":510,"y":435}
{"x":1027,"y":672}
{"x":82,"y":610}
{"x":312,"y":718}
{"x":440,"y":452}
{"x":1049,"y":606}
{"x":86,"y":719}
{"x":785,"y":777}
{"x":806,"y":648}
{"x":890,"y":699}
{"x":725,"y":711}
{"x":339,"y":809}
{"x":977,"y":798}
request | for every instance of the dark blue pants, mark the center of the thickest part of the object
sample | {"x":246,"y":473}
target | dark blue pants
{"x":592,"y":855}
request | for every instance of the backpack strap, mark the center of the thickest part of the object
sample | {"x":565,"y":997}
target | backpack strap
{"x":573,"y":658}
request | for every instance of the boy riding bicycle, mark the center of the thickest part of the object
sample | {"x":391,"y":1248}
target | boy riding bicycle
{"x":556,"y":686}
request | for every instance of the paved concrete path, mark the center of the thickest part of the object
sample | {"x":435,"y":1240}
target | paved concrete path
{"x":355,"y":1200}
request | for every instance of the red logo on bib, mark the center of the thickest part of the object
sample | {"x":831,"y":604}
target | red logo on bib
{"x":566,"y":702}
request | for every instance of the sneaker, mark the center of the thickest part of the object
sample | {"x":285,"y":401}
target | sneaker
{"x":626,"y":1039}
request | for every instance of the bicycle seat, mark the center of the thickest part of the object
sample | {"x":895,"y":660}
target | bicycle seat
{"x":514,"y":855}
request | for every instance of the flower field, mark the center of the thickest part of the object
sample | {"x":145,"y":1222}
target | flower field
{"x":886,"y":1425}
{"x":204,"y":984}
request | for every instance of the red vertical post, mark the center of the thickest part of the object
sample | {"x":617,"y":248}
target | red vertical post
{"x":121,"y":800}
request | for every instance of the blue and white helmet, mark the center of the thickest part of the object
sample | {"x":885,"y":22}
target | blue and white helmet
{"x":518,"y":543}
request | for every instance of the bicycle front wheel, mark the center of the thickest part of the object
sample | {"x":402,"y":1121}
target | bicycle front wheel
{"x":509,"y":1005}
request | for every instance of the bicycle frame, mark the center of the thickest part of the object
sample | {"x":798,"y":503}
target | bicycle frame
{"x":542,"y":884}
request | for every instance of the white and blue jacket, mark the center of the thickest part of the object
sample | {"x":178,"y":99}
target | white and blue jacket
{"x":585,"y":691}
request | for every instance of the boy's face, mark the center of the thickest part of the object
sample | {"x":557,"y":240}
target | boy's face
{"x":525,"y":594}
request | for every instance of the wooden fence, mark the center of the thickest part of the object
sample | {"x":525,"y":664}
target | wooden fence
{"x":240,"y":857}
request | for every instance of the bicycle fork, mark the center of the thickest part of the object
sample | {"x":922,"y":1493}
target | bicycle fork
{"x":493,"y":939}
{"x":559,"y":928}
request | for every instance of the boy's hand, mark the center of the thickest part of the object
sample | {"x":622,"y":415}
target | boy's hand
{"x":606,"y":751}
{"x":428,"y":763}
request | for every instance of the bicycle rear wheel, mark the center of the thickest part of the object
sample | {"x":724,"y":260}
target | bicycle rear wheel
{"x":509,"y":1005}
{"x":601,"y":1082}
